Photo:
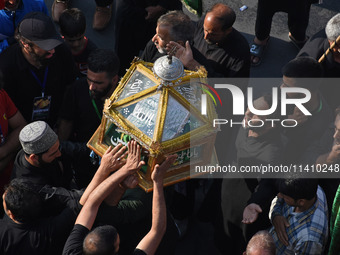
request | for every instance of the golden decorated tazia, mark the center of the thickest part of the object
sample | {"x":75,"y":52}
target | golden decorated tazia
{"x":158,"y":106}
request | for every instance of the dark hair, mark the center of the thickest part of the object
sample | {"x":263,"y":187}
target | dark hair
{"x":72,"y":22}
{"x":104,"y":60}
{"x":101,"y":241}
{"x":182,"y":28}
{"x":304,"y":67}
{"x":224,"y":14}
{"x":298,"y":188}
{"x":24,"y":202}
{"x":38,"y":154}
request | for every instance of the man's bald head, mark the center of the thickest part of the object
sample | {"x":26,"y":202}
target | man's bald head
{"x":261,"y":243}
{"x":223,"y":15}
{"x":218,"y":23}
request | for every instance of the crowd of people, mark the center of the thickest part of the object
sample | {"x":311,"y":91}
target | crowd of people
{"x":53,"y":85}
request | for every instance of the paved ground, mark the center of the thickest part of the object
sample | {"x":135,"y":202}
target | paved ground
{"x":199,"y":237}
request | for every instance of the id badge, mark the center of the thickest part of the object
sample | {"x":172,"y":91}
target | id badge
{"x":41,"y":108}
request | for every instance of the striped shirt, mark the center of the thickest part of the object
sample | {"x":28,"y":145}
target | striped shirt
{"x":308,"y":230}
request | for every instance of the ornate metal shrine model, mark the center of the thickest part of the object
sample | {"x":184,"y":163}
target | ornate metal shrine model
{"x":156,"y":105}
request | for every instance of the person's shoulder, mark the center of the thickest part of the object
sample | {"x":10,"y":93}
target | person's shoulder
{"x":326,"y":110}
{"x":239,"y":38}
{"x":3,"y":95}
{"x":138,"y":252}
{"x":236,"y":45}
{"x":321,"y":195}
{"x":150,"y":44}
{"x":74,"y":242}
{"x":33,"y":3}
{"x":200,"y":22}
{"x":315,"y":46}
{"x":91,"y":45}
{"x":62,"y":48}
{"x":8,"y":56}
{"x":80,"y":85}
{"x":151,"y":53}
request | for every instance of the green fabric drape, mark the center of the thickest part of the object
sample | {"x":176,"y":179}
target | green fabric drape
{"x":334,"y":248}
{"x":194,"y":6}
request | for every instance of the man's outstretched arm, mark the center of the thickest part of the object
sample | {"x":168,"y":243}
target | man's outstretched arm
{"x":150,"y":242}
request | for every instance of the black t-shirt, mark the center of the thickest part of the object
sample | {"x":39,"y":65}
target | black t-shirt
{"x":78,"y":108}
{"x":51,"y":182}
{"x":23,"y":87}
{"x":74,"y":243}
{"x":231,"y":58}
{"x":81,"y":57}
{"x":46,"y":236}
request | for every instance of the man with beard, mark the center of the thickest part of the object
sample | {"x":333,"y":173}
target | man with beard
{"x":40,"y":163}
{"x":13,"y":12}
{"x":82,"y":108}
{"x":174,"y":29}
{"x":304,"y":72}
{"x":37,"y":69}
{"x":315,"y":47}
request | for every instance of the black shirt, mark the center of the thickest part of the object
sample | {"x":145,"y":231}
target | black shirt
{"x":51,"y":173}
{"x":46,"y":236}
{"x":22,"y":86}
{"x":231,"y":58}
{"x":81,"y":57}
{"x":297,"y":139}
{"x":78,"y":108}
{"x":74,"y":243}
{"x":51,"y":181}
{"x":315,"y":47}
{"x":265,"y":149}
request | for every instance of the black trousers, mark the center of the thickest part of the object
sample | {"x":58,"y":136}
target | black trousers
{"x":298,"y":17}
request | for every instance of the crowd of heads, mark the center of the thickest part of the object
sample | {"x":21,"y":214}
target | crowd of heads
{"x":38,"y":38}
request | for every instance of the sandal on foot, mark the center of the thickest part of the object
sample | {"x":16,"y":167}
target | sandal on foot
{"x":257,"y":50}
{"x":297,"y":44}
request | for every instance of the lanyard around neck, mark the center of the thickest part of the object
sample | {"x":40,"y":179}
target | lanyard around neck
{"x":95,"y":107}
{"x":42,"y":84}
